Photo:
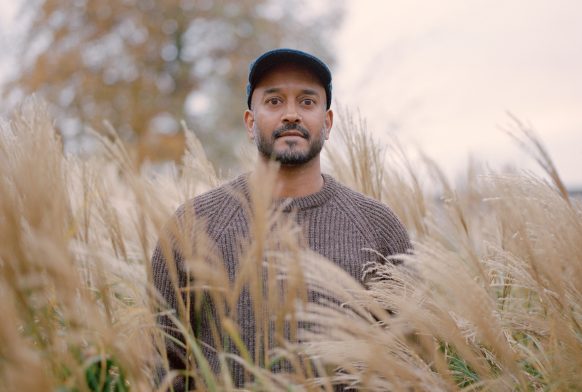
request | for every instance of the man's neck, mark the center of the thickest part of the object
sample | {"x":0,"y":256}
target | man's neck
{"x":298,"y":180}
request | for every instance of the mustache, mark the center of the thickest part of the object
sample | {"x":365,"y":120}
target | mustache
{"x":289,"y":127}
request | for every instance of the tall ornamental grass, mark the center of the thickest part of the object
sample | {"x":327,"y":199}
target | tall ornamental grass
{"x":491,"y":299}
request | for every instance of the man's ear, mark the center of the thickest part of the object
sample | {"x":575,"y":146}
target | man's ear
{"x":249,"y":118}
{"x":328,"y":123}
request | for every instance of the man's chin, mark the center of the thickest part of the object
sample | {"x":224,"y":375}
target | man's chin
{"x":291,"y":161}
{"x":291,"y":158}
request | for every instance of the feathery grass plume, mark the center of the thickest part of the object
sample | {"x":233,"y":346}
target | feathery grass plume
{"x":494,"y":303}
{"x":34,"y":227}
{"x":20,"y":357}
{"x":383,"y":172}
{"x":525,"y":136}
{"x":197,"y":168}
{"x":57,"y":288}
{"x":359,"y":161}
{"x":499,"y":295}
{"x":540,"y":230}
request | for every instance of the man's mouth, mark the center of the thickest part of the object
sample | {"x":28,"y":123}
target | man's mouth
{"x":291,"y":133}
{"x":292,"y":130}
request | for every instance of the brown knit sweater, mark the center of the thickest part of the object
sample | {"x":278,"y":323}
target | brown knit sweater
{"x":339,"y":223}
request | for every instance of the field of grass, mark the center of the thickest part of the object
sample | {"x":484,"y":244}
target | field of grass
{"x":493,"y":302}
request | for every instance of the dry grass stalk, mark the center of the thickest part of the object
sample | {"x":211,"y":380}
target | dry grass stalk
{"x":493,"y":303}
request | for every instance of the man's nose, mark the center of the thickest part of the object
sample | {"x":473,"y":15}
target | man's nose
{"x":291,"y":114}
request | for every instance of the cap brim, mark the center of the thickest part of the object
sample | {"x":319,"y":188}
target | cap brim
{"x":280,"y":56}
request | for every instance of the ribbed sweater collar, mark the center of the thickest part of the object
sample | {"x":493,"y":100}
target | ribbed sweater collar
{"x":313,"y":200}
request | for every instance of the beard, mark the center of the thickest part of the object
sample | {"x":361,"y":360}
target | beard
{"x":292,"y":155}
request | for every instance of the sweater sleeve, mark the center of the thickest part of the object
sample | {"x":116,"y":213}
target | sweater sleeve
{"x":393,"y":240}
{"x":391,"y":235}
{"x":169,"y":278}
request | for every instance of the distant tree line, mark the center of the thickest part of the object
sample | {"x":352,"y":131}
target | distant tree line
{"x":144,"y":65}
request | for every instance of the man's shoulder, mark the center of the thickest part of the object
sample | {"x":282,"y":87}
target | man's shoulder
{"x":364,"y":203}
{"x":213,"y":201}
{"x":378,"y":218}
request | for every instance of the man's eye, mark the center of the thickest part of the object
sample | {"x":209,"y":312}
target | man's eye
{"x":273,"y":101}
{"x":308,"y":102}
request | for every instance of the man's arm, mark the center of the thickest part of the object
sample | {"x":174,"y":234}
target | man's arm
{"x":169,"y":279}
{"x":391,"y":269}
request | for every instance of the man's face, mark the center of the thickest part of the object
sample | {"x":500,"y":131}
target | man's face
{"x":288,"y":119}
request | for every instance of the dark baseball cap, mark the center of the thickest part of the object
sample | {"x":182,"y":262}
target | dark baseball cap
{"x":272,"y":58}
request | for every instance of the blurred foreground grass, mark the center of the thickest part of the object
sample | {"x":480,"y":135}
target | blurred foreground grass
{"x":496,"y":305}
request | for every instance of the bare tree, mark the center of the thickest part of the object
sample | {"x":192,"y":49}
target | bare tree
{"x":145,"y":65}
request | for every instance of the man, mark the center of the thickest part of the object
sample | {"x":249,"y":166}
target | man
{"x":289,"y":118}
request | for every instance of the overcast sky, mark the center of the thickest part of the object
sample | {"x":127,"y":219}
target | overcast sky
{"x":441,"y":75}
